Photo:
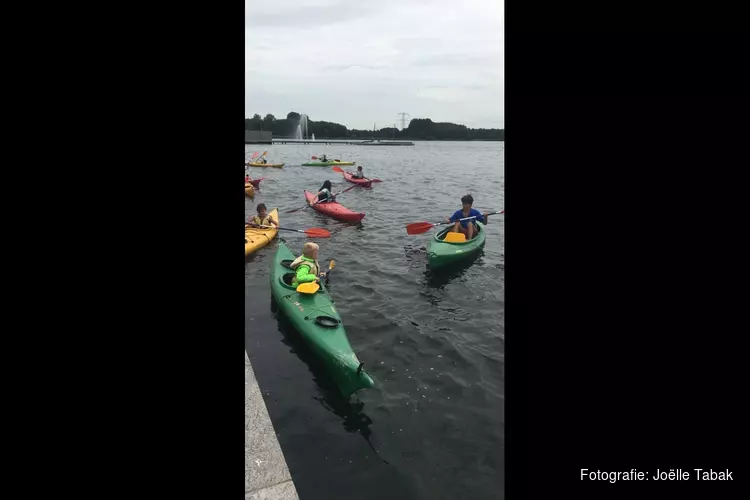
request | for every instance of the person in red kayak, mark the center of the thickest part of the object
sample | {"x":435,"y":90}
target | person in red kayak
{"x":359,"y":174}
{"x":262,"y":219}
{"x":306,"y":267}
{"x":467,"y":227}
{"x":324,"y":193}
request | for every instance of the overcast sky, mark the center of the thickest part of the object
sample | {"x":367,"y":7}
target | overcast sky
{"x":358,"y":62}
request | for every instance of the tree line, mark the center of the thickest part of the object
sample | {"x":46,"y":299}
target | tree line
{"x":419,"y":129}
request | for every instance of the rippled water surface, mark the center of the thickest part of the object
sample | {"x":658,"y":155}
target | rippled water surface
{"x":433,"y":427}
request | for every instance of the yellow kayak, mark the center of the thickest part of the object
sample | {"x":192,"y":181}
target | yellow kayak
{"x":249,"y":190}
{"x":256,"y":237}
{"x":265,"y":165}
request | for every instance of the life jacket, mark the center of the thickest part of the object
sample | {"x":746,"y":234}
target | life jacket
{"x":264,"y":222}
{"x":302,"y":260}
{"x":328,"y":196}
{"x":247,"y":179}
{"x":358,"y":175}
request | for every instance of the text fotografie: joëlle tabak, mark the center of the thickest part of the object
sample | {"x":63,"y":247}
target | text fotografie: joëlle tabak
{"x":661,"y":475}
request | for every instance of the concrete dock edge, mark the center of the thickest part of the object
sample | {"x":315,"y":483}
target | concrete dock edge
{"x":267,"y":476}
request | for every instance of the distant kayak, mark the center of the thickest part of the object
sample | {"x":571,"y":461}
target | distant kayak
{"x":362,"y":182}
{"x":335,"y":210}
{"x":255,"y":182}
{"x":441,"y":253}
{"x":327,"y":163}
{"x":265,"y":165}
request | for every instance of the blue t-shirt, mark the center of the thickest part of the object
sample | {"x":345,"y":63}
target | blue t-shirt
{"x":465,"y":223}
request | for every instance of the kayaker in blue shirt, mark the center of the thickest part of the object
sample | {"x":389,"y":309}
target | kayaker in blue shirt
{"x":324,"y":193}
{"x":467,"y":227}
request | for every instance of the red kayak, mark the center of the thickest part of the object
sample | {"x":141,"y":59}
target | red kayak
{"x":335,"y":210}
{"x":255,"y":182}
{"x":362,"y":182}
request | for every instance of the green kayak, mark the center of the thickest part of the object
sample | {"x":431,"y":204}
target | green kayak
{"x":327,"y":163}
{"x":317,"y":321}
{"x":441,"y":254}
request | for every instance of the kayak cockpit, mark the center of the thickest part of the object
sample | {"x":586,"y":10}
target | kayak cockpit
{"x":448,"y":236}
{"x":286,"y":282}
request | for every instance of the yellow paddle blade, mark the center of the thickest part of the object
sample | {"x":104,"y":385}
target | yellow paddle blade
{"x":308,"y":287}
{"x":333,"y":263}
{"x":455,"y":237}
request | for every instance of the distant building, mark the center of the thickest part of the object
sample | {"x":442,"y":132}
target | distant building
{"x":258,"y":137}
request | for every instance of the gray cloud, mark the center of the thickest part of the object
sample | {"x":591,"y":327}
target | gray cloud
{"x":357,"y":63}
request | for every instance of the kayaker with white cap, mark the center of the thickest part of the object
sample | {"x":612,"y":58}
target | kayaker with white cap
{"x":306,"y":267}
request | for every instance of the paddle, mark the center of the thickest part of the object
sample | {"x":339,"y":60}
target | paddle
{"x":341,"y":171}
{"x":309,"y":205}
{"x":259,"y":157}
{"x":313,"y":286}
{"x":313,"y":232}
{"x":330,"y":268}
{"x":423,"y":227}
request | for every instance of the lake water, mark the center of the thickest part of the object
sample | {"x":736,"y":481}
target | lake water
{"x":433,"y":427}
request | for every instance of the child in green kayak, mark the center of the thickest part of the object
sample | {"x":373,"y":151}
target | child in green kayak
{"x":306,"y":267}
{"x":467,"y":227}
{"x":262,"y":219}
{"x":324,"y":193}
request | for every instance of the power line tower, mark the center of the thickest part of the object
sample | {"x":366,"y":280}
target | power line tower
{"x":403,"y":119}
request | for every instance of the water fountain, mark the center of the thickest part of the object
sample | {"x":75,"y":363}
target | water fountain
{"x":302,"y":131}
{"x":303,"y":124}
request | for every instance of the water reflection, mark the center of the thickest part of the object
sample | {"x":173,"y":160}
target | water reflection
{"x":354,"y":419}
{"x":441,"y":277}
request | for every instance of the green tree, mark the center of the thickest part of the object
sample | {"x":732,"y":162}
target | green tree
{"x":418,"y":129}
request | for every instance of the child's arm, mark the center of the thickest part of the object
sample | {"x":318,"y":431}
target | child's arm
{"x":303,"y":274}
